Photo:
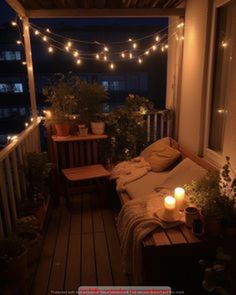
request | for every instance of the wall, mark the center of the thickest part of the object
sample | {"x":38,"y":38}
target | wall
{"x":193,"y":75}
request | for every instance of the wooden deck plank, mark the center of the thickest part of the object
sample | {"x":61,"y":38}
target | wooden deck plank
{"x":97,"y":214}
{"x":87,"y":226}
{"x":104,"y":275}
{"x":175,"y":236}
{"x":57,"y":277}
{"x":188,"y":235}
{"x":160,"y":238}
{"x":40,"y":283}
{"x":73,"y":269}
{"x":119,"y":279}
{"x":88,"y":270}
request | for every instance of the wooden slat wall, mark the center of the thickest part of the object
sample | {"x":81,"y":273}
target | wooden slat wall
{"x":12,"y":178}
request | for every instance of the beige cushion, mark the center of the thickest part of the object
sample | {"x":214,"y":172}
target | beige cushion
{"x":160,"y":156}
{"x":184,"y":173}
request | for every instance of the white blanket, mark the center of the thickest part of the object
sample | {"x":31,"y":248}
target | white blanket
{"x":128,"y":171}
{"x":136,"y":220}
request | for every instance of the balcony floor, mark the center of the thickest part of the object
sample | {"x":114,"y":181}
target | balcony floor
{"x":81,"y":248}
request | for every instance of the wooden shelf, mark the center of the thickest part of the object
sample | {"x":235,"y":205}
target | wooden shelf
{"x":71,"y":138}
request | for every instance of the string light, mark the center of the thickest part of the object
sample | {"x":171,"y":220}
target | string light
{"x":36,"y":32}
{"x":154,"y":47}
{"x":112,"y":66}
{"x":130,"y":39}
{"x":224,"y":44}
{"x":26,"y":124}
{"x":130,"y":55}
{"x":67,"y":48}
{"x":48,"y":30}
{"x":45,"y":38}
{"x":182,"y":38}
{"x":123,"y":55}
{"x":147,"y":52}
{"x":97,"y":56}
{"x":135,"y":45}
{"x":69,"y":44}
{"x":166,"y":46}
{"x":23,"y":63}
{"x":50,"y":49}
{"x":105,"y":58}
{"x":140,"y":60}
{"x":180,"y":25}
{"x":18,"y":42}
{"x":31,"y":119}
{"x":13,"y":23}
{"x":78,"y":61}
{"x":106,"y":49}
{"x":157,"y":38}
{"x":162,"y":48}
{"x":76,"y":53}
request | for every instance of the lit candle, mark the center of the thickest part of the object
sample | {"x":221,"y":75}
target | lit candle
{"x":169,"y":203}
{"x":179,"y":196}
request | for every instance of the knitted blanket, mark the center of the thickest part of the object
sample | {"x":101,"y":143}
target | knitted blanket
{"x":136,"y":220}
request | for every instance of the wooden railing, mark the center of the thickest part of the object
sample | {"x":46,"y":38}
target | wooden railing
{"x":12,"y":178}
{"x":159,"y":125}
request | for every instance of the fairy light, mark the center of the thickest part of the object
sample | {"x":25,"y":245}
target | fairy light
{"x":78,"y":61}
{"x":130,"y":55}
{"x":135,"y":45}
{"x":147,"y":52}
{"x":157,"y":38}
{"x":50,"y":49}
{"x":112,"y":66}
{"x":48,"y":30}
{"x":180,"y":25}
{"x":105,"y":58}
{"x":13,"y":23}
{"x":31,"y":119}
{"x":224,"y":44}
{"x":23,"y":63}
{"x":123,"y":55}
{"x":182,"y":38}
{"x":154,"y":47}
{"x":67,"y":48}
{"x":166,"y":46}
{"x":45,"y":38}
{"x":140,"y":60}
{"x":76,"y":53}
{"x":36,"y":32}
{"x":18,"y":42}
{"x":26,"y":124}
{"x":162,"y":48}
{"x":8,"y":138}
{"x":97,"y":56}
{"x":69,"y":44}
{"x":130,"y":39}
{"x":106,"y":49}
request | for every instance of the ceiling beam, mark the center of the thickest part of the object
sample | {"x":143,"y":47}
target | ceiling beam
{"x":17,"y":6}
{"x":104,"y":13}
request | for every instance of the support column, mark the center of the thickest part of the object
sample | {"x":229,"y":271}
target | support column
{"x":30,"y":71}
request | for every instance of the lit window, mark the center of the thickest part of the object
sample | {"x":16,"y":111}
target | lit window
{"x":11,"y":87}
{"x":10,"y":55}
{"x":105,"y":85}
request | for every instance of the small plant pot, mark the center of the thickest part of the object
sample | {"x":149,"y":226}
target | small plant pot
{"x":62,"y":129}
{"x":83,"y":130}
{"x":191,"y":213}
{"x":98,"y":128}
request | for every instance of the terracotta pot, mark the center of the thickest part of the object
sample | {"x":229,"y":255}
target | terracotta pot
{"x":62,"y":129}
{"x":83,"y":130}
{"x":98,"y":128}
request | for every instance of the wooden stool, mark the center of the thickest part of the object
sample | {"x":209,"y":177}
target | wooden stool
{"x":90,"y":172}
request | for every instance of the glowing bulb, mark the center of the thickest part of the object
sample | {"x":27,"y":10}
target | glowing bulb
{"x":78,"y":61}
{"x":180,"y":25}
{"x":67,"y":48}
{"x":105,"y":58}
{"x":135,"y":45}
{"x":162,"y":48}
{"x":147,"y":52}
{"x":69,"y":44}
{"x":14,"y":137}
{"x":157,"y":38}
{"x":224,"y":44}
{"x":26,"y":27}
{"x":18,"y":42}
{"x":123,"y":55}
{"x":26,"y":125}
{"x":166,"y":46}
{"x":13,"y":23}
{"x":76,"y":53}
{"x":50,"y":49}
{"x":45,"y":38}
{"x":154,"y":47}
{"x":36,"y":32}
{"x":23,"y":63}
{"x":31,"y":119}
{"x":97,"y":56}
{"x":140,"y":60}
{"x":130,"y":55}
{"x":130,"y":40}
{"x":48,"y":30}
{"x":106,"y":49}
{"x":112,"y":66}
{"x":8,"y":138}
{"x":182,"y":38}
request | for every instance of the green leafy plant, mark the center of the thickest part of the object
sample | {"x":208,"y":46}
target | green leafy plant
{"x":206,"y":195}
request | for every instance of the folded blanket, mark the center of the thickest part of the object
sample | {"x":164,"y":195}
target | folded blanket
{"x":128,"y":171}
{"x":136,"y":220}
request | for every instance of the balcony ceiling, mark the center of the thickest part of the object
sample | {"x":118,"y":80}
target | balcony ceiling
{"x":101,"y":4}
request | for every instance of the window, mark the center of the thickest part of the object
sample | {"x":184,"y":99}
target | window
{"x":11,"y":87}
{"x":111,"y":85}
{"x":10,"y":55}
{"x":220,"y":74}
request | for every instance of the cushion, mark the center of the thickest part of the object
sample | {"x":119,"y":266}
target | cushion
{"x":145,"y":185}
{"x":160,"y":156}
{"x":184,"y":173}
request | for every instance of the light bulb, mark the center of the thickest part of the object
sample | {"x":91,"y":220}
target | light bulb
{"x":106,"y":49}
{"x":140,"y":60}
{"x":48,"y":30}
{"x":36,"y":32}
{"x":23,"y":63}
{"x":157,"y":38}
{"x":50,"y":49}
{"x":224,"y":44}
{"x":78,"y":61}
{"x":154,"y":47}
{"x":76,"y":53}
{"x":112,"y":66}
{"x":31,"y":119}
{"x":180,"y":25}
{"x":123,"y":55}
{"x":105,"y":58}
{"x":67,"y":48}
{"x":97,"y":56}
{"x":69,"y":44}
{"x":147,"y":52}
{"x":26,"y":125}
{"x":182,"y":38}
{"x":130,"y":40}
{"x":130,"y":55}
{"x":135,"y":45}
{"x":166,"y":46}
{"x":18,"y":42}
{"x":162,"y":48}
{"x":45,"y":38}
{"x":13,"y":23}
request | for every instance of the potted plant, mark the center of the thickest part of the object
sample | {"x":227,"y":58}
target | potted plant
{"x":61,"y":95}
{"x":37,"y":170}
{"x":13,"y":257}
{"x":205,"y":194}
{"x":91,"y":97}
